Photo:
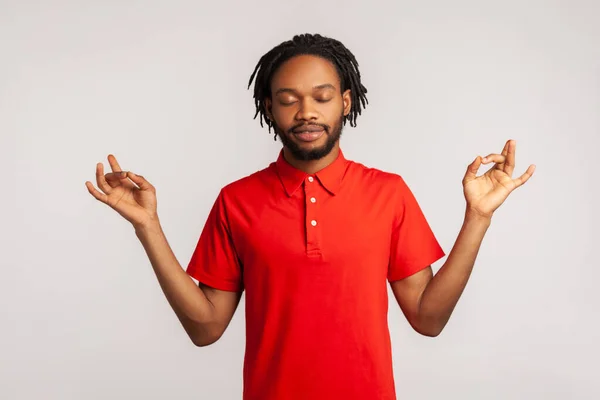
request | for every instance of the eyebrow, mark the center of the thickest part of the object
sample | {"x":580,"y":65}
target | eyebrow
{"x":318,"y":87}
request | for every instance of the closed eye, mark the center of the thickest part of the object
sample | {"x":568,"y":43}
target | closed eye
{"x":294,"y":102}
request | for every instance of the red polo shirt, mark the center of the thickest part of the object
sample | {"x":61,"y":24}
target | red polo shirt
{"x":314,"y":254}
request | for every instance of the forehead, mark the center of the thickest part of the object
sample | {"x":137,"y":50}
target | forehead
{"x":304,"y":72}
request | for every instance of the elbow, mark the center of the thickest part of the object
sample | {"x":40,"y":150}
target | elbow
{"x":203,"y":340}
{"x":430,"y":328}
{"x":202,"y":336}
{"x":429,"y":332}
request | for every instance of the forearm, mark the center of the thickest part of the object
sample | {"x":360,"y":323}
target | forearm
{"x":445,"y":288}
{"x":188,"y":301}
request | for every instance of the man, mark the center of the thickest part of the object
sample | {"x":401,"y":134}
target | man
{"x":313,"y":239}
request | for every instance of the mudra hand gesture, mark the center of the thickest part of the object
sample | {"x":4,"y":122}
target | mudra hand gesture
{"x":485,"y":193}
{"x":129,"y":194}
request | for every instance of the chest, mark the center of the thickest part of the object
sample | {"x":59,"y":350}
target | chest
{"x":315,"y":234}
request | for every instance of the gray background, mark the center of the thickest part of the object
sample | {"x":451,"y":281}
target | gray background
{"x":162,"y":85}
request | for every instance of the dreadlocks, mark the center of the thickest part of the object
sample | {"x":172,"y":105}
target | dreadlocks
{"x":327,"y":48}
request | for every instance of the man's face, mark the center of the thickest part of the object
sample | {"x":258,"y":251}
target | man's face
{"x":307,"y":107}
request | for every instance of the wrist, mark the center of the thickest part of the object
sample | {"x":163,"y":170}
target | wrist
{"x":474,"y":216}
{"x":149,"y":226}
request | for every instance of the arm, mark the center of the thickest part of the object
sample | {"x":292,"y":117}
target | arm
{"x":427,"y":301}
{"x":204,"y":312}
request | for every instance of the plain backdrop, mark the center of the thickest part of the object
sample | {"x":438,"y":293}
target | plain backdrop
{"x":163,"y":87}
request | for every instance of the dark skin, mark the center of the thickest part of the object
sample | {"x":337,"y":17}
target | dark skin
{"x":306,"y":90}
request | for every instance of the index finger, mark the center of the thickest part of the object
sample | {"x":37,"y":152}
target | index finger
{"x":116,"y":174}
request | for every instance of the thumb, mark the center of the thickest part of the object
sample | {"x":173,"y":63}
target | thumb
{"x":472,"y":170}
{"x":139,"y":180}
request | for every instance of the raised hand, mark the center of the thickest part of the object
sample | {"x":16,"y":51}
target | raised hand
{"x":129,"y":194}
{"x":485,"y":193}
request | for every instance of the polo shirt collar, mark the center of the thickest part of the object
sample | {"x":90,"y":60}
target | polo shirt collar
{"x":330,"y":177}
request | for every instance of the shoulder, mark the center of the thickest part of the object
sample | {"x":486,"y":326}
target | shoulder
{"x":376,"y":178}
{"x":380,"y":185}
{"x":250,"y":185}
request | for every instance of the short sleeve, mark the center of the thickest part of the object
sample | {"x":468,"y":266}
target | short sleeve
{"x":214,"y":261}
{"x":413,"y":246}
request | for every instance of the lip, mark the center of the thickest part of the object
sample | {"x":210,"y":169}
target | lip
{"x":309,"y":135}
{"x":308,"y":128}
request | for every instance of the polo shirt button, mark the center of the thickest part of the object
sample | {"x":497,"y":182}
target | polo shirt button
{"x":313,"y":200}
{"x":313,"y":222}
{"x":310,"y":179}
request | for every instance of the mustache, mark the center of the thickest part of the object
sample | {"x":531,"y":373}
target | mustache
{"x":299,"y":127}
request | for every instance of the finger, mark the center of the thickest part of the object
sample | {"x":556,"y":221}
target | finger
{"x":96,"y":193}
{"x":101,"y":180}
{"x":472,"y":170}
{"x":500,"y":166}
{"x":114,"y":165}
{"x":140,"y":181}
{"x":118,"y":178}
{"x":495,"y":158}
{"x":511,"y":149}
{"x":525,"y":177}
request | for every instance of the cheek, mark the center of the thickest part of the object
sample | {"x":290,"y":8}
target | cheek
{"x":287,"y":117}
{"x":283,"y":115}
{"x":334,"y":107}
{"x":334,"y":112}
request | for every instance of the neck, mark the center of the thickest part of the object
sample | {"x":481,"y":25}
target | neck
{"x":312,"y":166}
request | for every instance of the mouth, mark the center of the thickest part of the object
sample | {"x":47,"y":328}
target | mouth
{"x":308,"y":133}
{"x":306,"y":136}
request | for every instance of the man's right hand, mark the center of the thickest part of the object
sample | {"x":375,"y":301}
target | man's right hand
{"x":204,"y":312}
{"x":129,"y":194}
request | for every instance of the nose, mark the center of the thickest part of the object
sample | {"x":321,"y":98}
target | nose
{"x":307,"y":111}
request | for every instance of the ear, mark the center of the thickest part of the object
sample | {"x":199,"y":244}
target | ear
{"x":268,"y":105}
{"x":347,"y":101}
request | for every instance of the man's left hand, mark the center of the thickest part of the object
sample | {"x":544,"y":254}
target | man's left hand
{"x":485,"y":193}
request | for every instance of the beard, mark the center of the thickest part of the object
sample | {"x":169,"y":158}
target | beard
{"x":333,"y":134}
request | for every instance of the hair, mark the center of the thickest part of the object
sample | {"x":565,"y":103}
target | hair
{"x":309,"y":44}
